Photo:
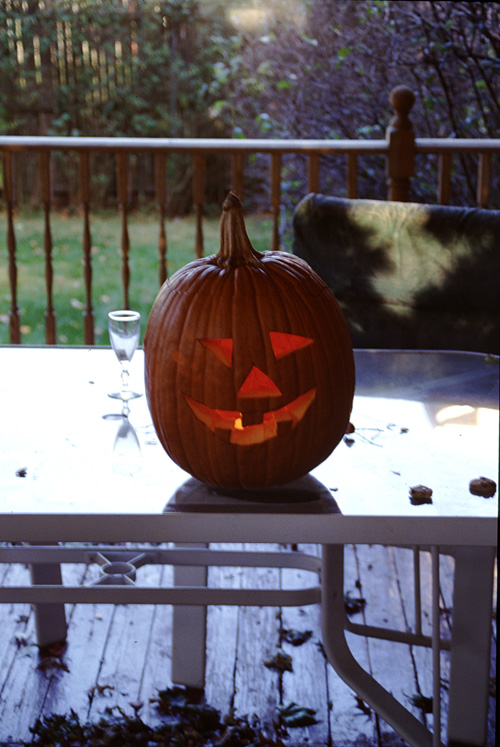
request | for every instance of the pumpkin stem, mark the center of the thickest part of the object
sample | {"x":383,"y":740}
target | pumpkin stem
{"x":235,"y":247}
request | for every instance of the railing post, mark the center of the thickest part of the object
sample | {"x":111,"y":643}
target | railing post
{"x":9,"y":196}
{"x":199,"y":169}
{"x":313,"y":172}
{"x":84,"y":190}
{"x":161,"y":200}
{"x":401,"y":139}
{"x":276,"y":199}
{"x":352,"y":176}
{"x":122,"y":189}
{"x":484,"y":180}
{"x":444,"y":178}
{"x":50,"y":314}
{"x":237,"y":170}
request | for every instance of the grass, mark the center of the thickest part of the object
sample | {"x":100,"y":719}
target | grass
{"x":68,"y":284}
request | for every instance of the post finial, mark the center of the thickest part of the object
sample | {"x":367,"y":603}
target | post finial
{"x":401,"y":140}
{"x":402,"y":99}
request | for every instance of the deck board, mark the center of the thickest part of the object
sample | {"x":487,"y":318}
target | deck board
{"x":347,"y":719}
{"x":121,"y":654}
{"x":256,"y":687}
{"x":222,"y":641}
{"x":391,"y":663}
{"x":307,"y":685}
{"x":158,"y":658}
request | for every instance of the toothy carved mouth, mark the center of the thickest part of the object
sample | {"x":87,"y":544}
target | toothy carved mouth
{"x":256,"y":433}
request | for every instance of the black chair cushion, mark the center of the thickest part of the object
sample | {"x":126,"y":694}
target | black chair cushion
{"x":406,"y":275}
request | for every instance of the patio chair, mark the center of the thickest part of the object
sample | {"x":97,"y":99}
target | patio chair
{"x":406,"y":275}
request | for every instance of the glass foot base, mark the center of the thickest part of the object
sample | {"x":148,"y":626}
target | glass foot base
{"x":124,"y":396}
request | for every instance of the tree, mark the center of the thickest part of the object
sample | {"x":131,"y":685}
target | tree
{"x":330,"y":77}
{"x":107,"y":69}
{"x":248,"y":68}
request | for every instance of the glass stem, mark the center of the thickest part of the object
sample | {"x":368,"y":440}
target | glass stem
{"x":125,"y":377}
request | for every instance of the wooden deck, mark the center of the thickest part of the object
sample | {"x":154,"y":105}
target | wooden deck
{"x":117,"y":655}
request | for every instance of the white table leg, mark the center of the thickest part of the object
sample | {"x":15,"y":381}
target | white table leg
{"x":189,"y":628}
{"x":470,"y":646}
{"x":50,"y":618}
{"x":340,"y":657}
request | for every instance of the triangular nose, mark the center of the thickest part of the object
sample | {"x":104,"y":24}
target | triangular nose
{"x":258,"y":384}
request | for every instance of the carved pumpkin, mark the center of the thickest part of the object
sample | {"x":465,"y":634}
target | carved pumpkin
{"x":249,"y":365}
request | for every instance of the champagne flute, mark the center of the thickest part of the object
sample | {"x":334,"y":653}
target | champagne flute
{"x":126,"y":449}
{"x":124,"y":330}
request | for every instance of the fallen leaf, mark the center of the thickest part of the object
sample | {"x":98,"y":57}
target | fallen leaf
{"x":296,"y":637}
{"x":280,"y":662}
{"x":483,"y":486}
{"x":420,"y":494}
{"x":57,"y":649}
{"x":362,"y":706}
{"x":353,"y":604}
{"x":422,"y":702}
{"x":294,"y":715}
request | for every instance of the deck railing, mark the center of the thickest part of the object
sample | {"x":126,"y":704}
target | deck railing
{"x":398,"y":149}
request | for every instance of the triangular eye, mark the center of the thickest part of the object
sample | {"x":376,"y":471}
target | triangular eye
{"x":284,"y":343}
{"x":222,"y":349}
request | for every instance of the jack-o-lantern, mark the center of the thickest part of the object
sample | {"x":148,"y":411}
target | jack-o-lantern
{"x":249,"y":364}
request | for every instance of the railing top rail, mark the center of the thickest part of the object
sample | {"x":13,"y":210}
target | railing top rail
{"x":455,"y":145}
{"x":251,"y":145}
{"x":26,"y":142}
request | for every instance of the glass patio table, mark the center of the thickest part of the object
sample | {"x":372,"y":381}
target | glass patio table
{"x":420,"y":417}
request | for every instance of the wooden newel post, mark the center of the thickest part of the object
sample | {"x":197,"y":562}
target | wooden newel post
{"x":401,"y":139}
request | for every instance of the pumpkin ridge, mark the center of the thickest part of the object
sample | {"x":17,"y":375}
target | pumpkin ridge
{"x":289,"y":311}
{"x":274,"y":311}
{"x":186,"y":435}
{"x":208,"y":313}
{"x":296,"y":272}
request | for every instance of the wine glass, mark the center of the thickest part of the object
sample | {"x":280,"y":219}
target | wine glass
{"x":124,"y":330}
{"x":126,"y":449}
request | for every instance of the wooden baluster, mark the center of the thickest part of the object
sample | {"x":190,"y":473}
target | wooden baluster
{"x":50,"y":316}
{"x":313,"y":172}
{"x":444,"y":179}
{"x":401,"y":139}
{"x":161,"y":199}
{"x":484,"y":180}
{"x":199,"y":166}
{"x":84,"y":179}
{"x":9,"y":196}
{"x":237,"y":167}
{"x":276,"y":198}
{"x":122,"y":193}
{"x":352,"y":176}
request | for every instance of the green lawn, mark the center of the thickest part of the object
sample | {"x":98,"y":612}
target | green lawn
{"x":68,"y":286}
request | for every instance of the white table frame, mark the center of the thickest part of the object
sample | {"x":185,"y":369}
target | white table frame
{"x":472,"y":545}
{"x":471,"y":540}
